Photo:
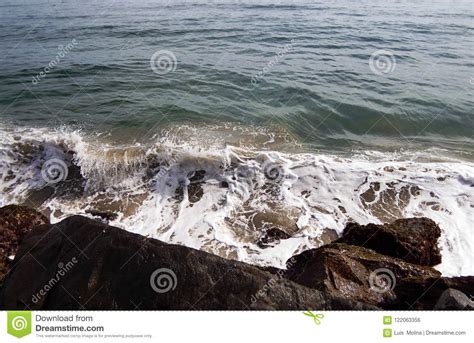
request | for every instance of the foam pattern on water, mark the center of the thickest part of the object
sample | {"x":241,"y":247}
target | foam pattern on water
{"x":223,"y":198}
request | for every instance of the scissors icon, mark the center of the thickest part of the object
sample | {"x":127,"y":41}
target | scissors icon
{"x":316,"y":317}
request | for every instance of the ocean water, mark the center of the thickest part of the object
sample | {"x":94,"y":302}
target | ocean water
{"x":206,"y":123}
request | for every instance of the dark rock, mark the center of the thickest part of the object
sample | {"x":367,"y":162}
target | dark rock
{"x":348,"y":273}
{"x":423,"y":293}
{"x":15,"y":223}
{"x":110,"y":268}
{"x":195,"y":191}
{"x":413,"y":240}
{"x":271,"y":237}
{"x":81,"y":263}
{"x":452,"y":299}
{"x":197,"y":176}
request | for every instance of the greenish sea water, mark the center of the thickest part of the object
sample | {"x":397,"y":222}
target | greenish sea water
{"x":207,"y":123}
{"x":302,"y":67}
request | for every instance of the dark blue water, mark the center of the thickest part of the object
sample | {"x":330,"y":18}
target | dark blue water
{"x":299,"y":67}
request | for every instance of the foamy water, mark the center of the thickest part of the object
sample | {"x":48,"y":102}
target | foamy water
{"x":221,"y":198}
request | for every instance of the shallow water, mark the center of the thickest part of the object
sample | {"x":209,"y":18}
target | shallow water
{"x":268,"y":115}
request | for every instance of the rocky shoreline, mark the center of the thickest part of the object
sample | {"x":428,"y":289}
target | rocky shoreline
{"x":81,"y":263}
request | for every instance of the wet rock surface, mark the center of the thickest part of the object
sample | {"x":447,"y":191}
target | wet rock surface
{"x":116,"y":269}
{"x":15,"y":223}
{"x":424,"y":293}
{"x":343,"y":271}
{"x":88,"y":264}
{"x":452,"y":299}
{"x":413,"y":240}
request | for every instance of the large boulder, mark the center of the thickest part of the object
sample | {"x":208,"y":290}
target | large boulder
{"x":414,"y":240}
{"x":452,"y":299}
{"x":425,"y":293}
{"x":81,"y":263}
{"x":351,"y":272}
{"x":15,"y":223}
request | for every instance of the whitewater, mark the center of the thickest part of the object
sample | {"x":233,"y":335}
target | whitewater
{"x":222,"y":197}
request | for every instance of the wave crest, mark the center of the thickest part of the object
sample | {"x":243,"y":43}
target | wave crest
{"x":225,"y":199}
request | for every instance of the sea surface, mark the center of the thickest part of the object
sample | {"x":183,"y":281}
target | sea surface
{"x":207,"y":123}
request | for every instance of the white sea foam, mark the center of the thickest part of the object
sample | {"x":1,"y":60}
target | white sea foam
{"x":222,"y":197}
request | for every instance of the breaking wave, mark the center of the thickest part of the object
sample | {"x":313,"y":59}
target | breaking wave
{"x":223,"y":198}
